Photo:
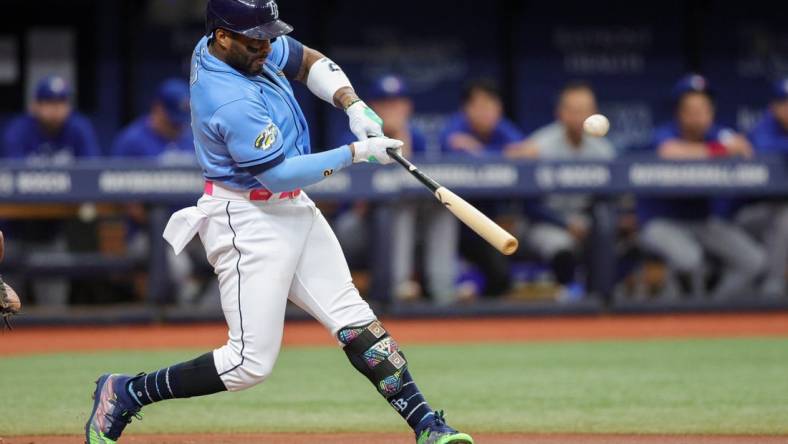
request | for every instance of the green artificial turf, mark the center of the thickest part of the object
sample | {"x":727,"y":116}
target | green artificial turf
{"x":677,"y":386}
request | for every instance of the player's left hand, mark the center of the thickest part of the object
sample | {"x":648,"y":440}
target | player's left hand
{"x":364,"y":122}
{"x":374,"y":150}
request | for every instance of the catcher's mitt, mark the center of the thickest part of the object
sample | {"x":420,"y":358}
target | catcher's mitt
{"x":9,"y":300}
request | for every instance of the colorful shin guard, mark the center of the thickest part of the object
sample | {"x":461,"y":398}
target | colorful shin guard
{"x":376,"y":355}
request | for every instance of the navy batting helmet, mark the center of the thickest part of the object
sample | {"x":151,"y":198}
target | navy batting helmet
{"x":257,"y":19}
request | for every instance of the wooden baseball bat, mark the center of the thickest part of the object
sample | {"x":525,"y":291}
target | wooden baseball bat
{"x":467,"y":213}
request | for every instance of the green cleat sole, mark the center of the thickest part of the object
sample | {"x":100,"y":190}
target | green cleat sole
{"x":99,"y":438}
{"x":455,"y":438}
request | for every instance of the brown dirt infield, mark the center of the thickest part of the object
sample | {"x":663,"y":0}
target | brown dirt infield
{"x":27,"y":340}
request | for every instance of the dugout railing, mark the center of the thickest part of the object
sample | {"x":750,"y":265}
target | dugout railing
{"x":165,"y":187}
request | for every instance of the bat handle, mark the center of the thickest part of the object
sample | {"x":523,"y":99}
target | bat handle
{"x":427,"y":181}
{"x":398,"y":158}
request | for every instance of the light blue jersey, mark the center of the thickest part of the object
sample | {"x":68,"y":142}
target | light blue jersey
{"x":246,"y":125}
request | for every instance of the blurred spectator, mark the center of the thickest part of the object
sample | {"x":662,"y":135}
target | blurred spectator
{"x":768,"y":219}
{"x":389,"y":97}
{"x":438,"y":227}
{"x":480,"y":127}
{"x":52,"y":132}
{"x":560,"y":225}
{"x":164,"y":133}
{"x":770,"y":135}
{"x":565,"y":138}
{"x":694,"y":134}
{"x":680,"y":230}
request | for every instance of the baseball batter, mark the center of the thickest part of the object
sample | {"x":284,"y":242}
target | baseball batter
{"x":264,"y":237}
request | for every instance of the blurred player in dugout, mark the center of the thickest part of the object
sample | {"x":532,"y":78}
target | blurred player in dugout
{"x":390,"y":98}
{"x":51,"y":133}
{"x":560,"y":224}
{"x":163,"y":135}
{"x":682,"y":230}
{"x":767,"y":219}
{"x":480,"y":129}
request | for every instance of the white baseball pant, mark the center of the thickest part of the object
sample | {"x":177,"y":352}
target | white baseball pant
{"x":264,"y":253}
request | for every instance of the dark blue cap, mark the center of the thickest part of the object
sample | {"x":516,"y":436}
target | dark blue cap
{"x":389,"y":86}
{"x":53,"y":88}
{"x":780,"y":89}
{"x":173,"y":95}
{"x":691,"y":83}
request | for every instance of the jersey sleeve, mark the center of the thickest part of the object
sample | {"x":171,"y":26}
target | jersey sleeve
{"x":87,"y":144}
{"x":510,"y":132}
{"x":131,"y":142}
{"x":302,"y":171}
{"x":453,"y":126}
{"x":287,"y":54}
{"x":662,"y":135}
{"x":606,"y":148}
{"x":418,"y":141}
{"x":123,"y":146}
{"x":544,"y":137}
{"x":759,"y":137}
{"x":13,"y":141}
{"x":254,"y":141}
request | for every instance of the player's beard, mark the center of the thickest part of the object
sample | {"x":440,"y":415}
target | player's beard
{"x":241,"y":61}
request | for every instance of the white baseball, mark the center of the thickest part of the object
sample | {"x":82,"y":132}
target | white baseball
{"x":596,"y":125}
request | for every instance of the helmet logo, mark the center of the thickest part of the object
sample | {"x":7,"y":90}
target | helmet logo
{"x":274,"y":8}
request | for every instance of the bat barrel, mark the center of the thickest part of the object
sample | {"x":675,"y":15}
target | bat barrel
{"x":477,"y":221}
{"x":467,"y":213}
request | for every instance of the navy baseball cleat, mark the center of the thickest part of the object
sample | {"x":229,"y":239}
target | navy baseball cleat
{"x":113,"y":409}
{"x":434,"y":430}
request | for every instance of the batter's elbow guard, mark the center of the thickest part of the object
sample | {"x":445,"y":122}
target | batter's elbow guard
{"x":376,"y":355}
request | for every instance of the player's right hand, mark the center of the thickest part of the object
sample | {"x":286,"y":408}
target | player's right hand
{"x":373,"y":150}
{"x":364,"y":122}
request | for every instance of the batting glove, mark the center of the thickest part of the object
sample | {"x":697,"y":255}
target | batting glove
{"x":364,"y":123}
{"x":373,"y":150}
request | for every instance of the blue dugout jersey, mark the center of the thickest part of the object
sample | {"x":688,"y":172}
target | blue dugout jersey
{"x":769,"y":136}
{"x":505,"y":132}
{"x":139,"y":139}
{"x":25,"y":139}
